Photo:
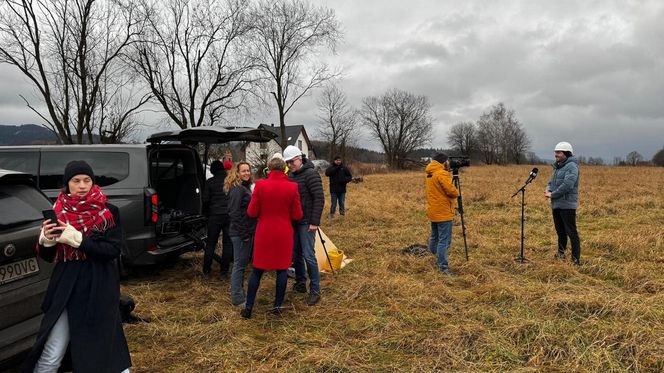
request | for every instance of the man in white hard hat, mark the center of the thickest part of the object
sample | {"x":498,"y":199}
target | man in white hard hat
{"x":310,"y":187}
{"x":563,"y":190}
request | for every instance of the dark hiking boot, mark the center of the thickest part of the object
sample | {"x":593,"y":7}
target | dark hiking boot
{"x":312,"y":299}
{"x":576,"y":262}
{"x":246,"y":313}
{"x":559,"y":256}
{"x":300,"y":287}
{"x":277,"y":311}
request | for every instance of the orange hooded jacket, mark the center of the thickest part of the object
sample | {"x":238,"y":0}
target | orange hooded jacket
{"x":441,"y":193}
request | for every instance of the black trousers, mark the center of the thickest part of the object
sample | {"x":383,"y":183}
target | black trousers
{"x":565,"y":222}
{"x":218,"y":224}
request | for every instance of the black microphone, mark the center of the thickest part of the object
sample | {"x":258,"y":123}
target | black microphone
{"x":533,"y":175}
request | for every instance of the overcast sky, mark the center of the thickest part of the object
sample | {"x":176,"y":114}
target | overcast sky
{"x":587,"y":72}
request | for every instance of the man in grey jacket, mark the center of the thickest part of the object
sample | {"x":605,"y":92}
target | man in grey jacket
{"x":563,"y":190}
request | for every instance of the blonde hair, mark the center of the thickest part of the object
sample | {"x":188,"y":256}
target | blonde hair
{"x":233,"y":177}
{"x":276,"y":164}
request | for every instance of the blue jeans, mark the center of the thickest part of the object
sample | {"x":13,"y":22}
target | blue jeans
{"x":341,"y":197}
{"x":303,"y":252}
{"x":242,"y":253}
{"x":255,"y":281}
{"x":440,"y":240}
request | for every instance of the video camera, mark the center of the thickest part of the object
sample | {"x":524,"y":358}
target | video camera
{"x":458,"y":162}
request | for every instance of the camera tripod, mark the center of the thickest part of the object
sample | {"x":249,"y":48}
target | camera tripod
{"x":457,"y":184}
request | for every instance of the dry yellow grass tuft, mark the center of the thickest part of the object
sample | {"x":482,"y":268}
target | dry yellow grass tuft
{"x":389,"y":312}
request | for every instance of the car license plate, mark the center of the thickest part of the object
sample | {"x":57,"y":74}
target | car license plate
{"x":14,"y":271}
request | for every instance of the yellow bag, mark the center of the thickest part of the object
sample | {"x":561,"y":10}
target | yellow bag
{"x":336,"y":257}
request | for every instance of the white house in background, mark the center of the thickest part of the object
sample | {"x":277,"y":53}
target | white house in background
{"x":257,"y":154}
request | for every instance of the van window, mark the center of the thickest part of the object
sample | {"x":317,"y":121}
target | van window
{"x":172,"y":165}
{"x":25,"y":203}
{"x":22,"y":161}
{"x":109,"y":167}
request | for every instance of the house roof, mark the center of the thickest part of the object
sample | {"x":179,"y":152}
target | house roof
{"x":292,"y":133}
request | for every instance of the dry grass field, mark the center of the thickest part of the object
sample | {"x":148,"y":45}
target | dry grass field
{"x":386,"y":312}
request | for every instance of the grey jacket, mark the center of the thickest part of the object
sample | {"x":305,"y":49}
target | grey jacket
{"x":564,"y":184}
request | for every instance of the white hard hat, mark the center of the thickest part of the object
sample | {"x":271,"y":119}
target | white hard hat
{"x":563,"y":147}
{"x":277,"y":155}
{"x":291,"y":152}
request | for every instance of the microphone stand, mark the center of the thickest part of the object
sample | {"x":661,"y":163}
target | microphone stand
{"x":521,"y":258}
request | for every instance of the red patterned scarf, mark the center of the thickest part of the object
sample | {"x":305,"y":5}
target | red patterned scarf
{"x":88,"y":214}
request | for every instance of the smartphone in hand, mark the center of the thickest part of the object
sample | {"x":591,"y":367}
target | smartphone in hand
{"x":50,"y":214}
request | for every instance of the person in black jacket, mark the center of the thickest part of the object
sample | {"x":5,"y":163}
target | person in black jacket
{"x":339,"y":176}
{"x":215,"y":207}
{"x":81,"y":313}
{"x":310,"y":188}
{"x":238,"y":185}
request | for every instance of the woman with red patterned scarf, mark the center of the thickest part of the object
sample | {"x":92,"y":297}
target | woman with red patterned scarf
{"x":81,"y":325}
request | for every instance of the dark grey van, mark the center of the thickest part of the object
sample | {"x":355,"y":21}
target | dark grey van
{"x":23,"y":275}
{"x":157,"y":187}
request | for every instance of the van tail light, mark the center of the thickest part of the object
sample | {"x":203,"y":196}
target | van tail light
{"x":154,"y":204}
{"x":151,"y":206}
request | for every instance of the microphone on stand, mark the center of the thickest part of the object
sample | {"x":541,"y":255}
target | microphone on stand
{"x":533,"y":175}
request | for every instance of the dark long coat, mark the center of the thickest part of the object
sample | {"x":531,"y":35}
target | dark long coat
{"x":90,"y":291}
{"x":276,"y":204}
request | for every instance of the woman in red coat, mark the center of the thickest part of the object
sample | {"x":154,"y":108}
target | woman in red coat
{"x":276,"y":204}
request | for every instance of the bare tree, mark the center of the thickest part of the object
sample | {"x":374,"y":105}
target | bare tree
{"x":500,"y":136}
{"x":401,"y":122}
{"x":338,"y":120}
{"x":70,"y":51}
{"x":194,"y":58}
{"x":119,"y":103}
{"x":658,"y":158}
{"x":462,"y":138}
{"x":633,"y":158}
{"x":596,"y":161}
{"x":287,"y":36}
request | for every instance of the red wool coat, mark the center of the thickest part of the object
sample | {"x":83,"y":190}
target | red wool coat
{"x":276,"y":204}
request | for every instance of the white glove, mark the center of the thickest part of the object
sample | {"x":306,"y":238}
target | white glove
{"x":45,"y":241}
{"x":70,"y":236}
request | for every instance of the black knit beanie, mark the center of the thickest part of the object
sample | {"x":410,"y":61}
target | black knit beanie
{"x":74,"y":168}
{"x":440,"y":158}
{"x":216,"y":167}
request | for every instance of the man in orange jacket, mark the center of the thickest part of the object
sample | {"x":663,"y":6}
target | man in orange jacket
{"x":441,"y":201}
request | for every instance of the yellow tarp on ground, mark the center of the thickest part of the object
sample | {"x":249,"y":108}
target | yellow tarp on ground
{"x":320,"y":253}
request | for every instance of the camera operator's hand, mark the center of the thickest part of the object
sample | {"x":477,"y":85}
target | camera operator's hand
{"x":313,"y":228}
{"x":547,"y":194}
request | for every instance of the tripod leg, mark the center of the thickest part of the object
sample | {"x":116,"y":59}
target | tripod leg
{"x":322,"y":241}
{"x":457,"y":184}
